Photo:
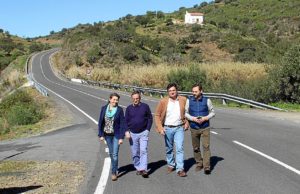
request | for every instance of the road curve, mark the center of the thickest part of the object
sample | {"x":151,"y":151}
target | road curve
{"x":250,"y":153}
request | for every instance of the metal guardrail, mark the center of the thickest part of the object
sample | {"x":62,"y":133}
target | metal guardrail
{"x":37,"y":86}
{"x":162,"y":92}
{"x":32,"y":82}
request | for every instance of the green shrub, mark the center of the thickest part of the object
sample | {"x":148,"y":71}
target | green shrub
{"x":19,"y":97}
{"x":93,"y":55}
{"x":4,"y":129}
{"x":196,"y":55}
{"x":286,"y":77}
{"x":23,"y":114}
{"x":20,"y":109}
{"x":145,"y":57}
{"x":129,"y":53}
{"x":187,"y":78}
{"x":196,"y":27}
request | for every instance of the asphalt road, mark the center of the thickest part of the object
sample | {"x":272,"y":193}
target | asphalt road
{"x":251,"y":153}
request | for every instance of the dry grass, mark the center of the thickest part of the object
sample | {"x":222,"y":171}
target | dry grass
{"x":156,"y":76}
{"x":41,"y":177}
{"x":247,"y":71}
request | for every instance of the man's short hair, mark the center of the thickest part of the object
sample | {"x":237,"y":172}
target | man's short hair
{"x":170,"y":85}
{"x":136,"y":92}
{"x":197,"y":85}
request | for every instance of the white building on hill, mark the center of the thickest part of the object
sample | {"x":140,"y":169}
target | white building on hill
{"x":193,"y":18}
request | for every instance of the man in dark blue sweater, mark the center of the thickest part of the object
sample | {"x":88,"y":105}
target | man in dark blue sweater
{"x":138,"y":118}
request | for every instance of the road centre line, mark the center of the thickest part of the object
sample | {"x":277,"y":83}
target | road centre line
{"x":268,"y":157}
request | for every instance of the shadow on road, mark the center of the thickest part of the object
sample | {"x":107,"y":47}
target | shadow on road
{"x":125,"y":169}
{"x":188,"y":164}
{"x":15,"y":190}
{"x":153,"y":166}
{"x":214,"y":161}
{"x":191,"y":161}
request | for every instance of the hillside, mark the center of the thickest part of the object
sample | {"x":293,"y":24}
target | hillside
{"x":23,"y":111}
{"x":12,"y":47}
{"x":234,"y":30}
{"x":13,"y":54}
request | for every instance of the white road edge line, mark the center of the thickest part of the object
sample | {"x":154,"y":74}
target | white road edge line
{"x":106,"y":166}
{"x":268,"y":157}
{"x":70,"y":87}
{"x":214,"y":132}
{"x":104,"y":176}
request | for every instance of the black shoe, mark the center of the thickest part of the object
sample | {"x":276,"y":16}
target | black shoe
{"x":207,"y":171}
{"x":144,"y":174}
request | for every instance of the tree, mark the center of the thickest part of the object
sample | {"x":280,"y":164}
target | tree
{"x":145,"y":57}
{"x":169,"y":22}
{"x":160,"y":14}
{"x":34,"y":47}
{"x":141,"y":41}
{"x":154,"y":45}
{"x":128,"y":16}
{"x":94,"y":54}
{"x":182,"y":45}
{"x":196,"y":55}
{"x":186,"y":78}
{"x":7,"y":44}
{"x":129,"y":53}
{"x":64,"y":30}
{"x":203,"y":4}
{"x":288,"y":75}
{"x":151,"y":14}
{"x":142,"y":20}
{"x":122,"y":35}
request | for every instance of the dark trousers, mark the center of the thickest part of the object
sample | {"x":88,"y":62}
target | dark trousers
{"x":204,"y":136}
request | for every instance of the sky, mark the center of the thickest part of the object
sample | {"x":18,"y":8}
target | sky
{"x":32,"y":18}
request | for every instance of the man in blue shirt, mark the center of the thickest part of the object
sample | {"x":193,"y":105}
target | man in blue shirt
{"x":138,"y":118}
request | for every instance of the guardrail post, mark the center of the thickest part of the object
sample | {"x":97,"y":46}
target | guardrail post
{"x":224,"y":102}
{"x":161,"y":95}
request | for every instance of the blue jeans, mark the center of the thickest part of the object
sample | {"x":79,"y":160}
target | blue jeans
{"x":175,"y":135}
{"x":113,"y":147}
{"x":139,"y":149}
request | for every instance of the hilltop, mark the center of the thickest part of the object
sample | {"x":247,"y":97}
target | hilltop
{"x":234,"y":30}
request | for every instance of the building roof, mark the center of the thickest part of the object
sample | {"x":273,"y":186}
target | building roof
{"x":196,"y":14}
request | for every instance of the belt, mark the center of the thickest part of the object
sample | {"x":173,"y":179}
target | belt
{"x":173,"y":126}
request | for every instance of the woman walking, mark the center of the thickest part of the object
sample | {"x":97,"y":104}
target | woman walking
{"x":111,"y":127}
